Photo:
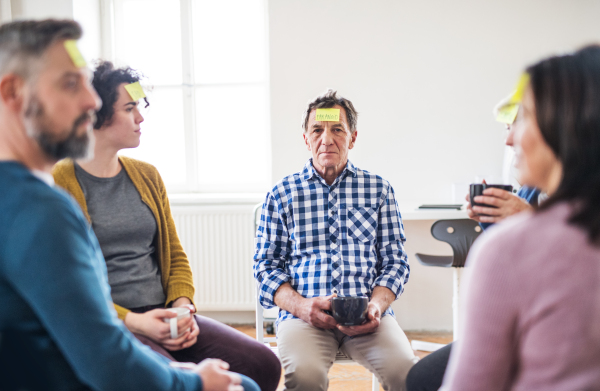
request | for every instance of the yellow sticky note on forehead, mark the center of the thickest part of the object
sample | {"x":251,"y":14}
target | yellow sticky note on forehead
{"x":508,"y":114}
{"x":521,"y":85}
{"x":328,"y":115}
{"x":74,"y":53}
{"x":135,"y":91}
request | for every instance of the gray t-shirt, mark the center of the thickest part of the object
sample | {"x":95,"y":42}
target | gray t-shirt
{"x":126,"y":230}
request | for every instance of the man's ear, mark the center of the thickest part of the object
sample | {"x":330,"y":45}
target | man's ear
{"x":11,"y":91}
{"x":353,"y":139}
{"x":306,"y":141}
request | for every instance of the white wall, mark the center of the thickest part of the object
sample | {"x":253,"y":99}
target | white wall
{"x":41,"y":9}
{"x":86,"y":12}
{"x":424,"y":76}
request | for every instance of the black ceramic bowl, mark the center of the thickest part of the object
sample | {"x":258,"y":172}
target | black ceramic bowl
{"x":476,"y":189}
{"x":349,"y":311}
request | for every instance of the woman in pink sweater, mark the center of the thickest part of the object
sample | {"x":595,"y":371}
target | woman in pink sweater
{"x":532,"y":297}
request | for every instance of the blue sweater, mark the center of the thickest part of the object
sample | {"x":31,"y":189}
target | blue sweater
{"x":55,"y":298}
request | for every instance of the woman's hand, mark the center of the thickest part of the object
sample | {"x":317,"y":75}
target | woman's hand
{"x":186,"y":303}
{"x":184,"y":341}
{"x":151,"y":324}
{"x":502,"y":205}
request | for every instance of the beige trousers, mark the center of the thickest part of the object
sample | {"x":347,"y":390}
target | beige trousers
{"x":307,"y":353}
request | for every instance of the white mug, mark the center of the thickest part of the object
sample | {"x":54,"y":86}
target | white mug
{"x":181,"y":312}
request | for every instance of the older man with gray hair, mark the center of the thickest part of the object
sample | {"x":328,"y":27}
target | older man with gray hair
{"x":333,"y":229}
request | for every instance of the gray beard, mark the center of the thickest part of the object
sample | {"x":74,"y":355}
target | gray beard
{"x":72,"y":146}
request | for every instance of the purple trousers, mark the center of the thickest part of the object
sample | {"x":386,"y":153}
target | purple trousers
{"x":217,"y":340}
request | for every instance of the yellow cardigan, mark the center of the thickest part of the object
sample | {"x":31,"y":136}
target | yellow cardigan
{"x":173,"y":262}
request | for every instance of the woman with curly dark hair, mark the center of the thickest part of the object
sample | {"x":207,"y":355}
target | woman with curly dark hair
{"x":148,"y":271}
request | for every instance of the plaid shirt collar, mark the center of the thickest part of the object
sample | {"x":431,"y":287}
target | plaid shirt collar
{"x":309,"y":172}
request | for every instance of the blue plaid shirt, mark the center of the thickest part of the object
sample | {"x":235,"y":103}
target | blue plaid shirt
{"x":346,"y":237}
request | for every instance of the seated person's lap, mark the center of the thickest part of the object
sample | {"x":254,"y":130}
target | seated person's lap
{"x":217,"y":340}
{"x":307,"y":353}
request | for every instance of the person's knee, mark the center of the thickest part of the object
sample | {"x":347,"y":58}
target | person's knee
{"x":415,"y":379}
{"x":428,"y":374}
{"x":267,"y":360}
{"x":306,"y":376}
{"x":393,"y":377}
{"x":269,"y":369}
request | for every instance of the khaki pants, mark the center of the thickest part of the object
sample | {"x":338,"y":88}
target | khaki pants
{"x":307,"y":353}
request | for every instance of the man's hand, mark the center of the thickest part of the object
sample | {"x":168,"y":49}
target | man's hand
{"x":312,"y":312}
{"x":506,"y":203}
{"x":309,"y":310}
{"x":370,"y":326}
{"x":381,"y":299}
{"x":151,"y":325}
{"x":215,"y":376}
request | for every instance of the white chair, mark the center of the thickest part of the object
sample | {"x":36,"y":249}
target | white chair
{"x":340,"y":357}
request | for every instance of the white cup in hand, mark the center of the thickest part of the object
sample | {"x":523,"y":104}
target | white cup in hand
{"x":181,"y":312}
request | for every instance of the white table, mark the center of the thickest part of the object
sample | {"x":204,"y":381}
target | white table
{"x":411,"y":212}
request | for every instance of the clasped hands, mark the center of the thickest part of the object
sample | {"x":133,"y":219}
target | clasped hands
{"x":152,"y":325}
{"x":312,"y":311}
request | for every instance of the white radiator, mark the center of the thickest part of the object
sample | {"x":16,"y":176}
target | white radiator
{"x":219,"y":242}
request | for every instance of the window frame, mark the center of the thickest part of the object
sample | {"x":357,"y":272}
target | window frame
{"x":110,"y":14}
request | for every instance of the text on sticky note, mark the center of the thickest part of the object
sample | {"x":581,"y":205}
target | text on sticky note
{"x":135,"y":90}
{"x":508,"y":113}
{"x":328,"y":115}
{"x":74,"y":53}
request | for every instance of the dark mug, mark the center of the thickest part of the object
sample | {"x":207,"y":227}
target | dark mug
{"x":476,"y":189}
{"x":349,"y":311}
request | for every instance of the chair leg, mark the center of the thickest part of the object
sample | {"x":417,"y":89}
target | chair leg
{"x":455,"y":301}
{"x":375,"y":383}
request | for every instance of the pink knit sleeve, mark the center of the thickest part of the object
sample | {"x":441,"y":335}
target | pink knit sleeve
{"x":482,"y":357}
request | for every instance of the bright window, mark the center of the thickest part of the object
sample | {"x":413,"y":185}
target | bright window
{"x":206,"y":129}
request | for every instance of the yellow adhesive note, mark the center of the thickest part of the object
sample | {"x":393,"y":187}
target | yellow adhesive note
{"x":74,"y":53}
{"x":135,"y":91}
{"x":508,"y":114}
{"x":520,"y":89}
{"x":328,"y":115}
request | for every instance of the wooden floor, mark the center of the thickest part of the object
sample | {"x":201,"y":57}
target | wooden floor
{"x":353,"y":377}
